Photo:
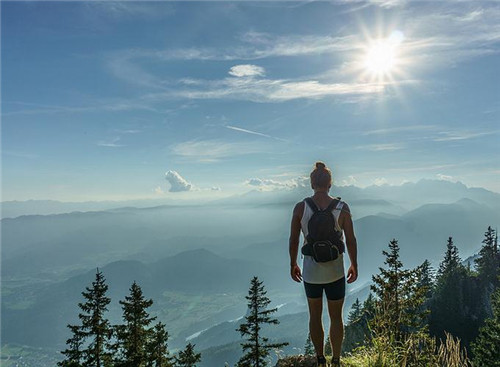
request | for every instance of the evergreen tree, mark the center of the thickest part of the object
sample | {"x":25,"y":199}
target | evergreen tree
{"x":488,"y":262}
{"x":426,"y":277}
{"x":73,"y":353}
{"x":95,"y":332}
{"x":486,"y":348}
{"x":355,"y":313}
{"x":134,"y":334}
{"x":158,"y":354}
{"x":309,"y":347}
{"x":256,"y":346}
{"x":328,"y":346}
{"x":451,"y":260}
{"x":398,"y":310}
{"x":356,"y":330}
{"x":456,"y":302}
{"x":187,"y":357}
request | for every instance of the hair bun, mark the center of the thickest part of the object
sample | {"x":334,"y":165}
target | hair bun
{"x":320,"y":165}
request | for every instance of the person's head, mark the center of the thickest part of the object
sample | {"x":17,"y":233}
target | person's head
{"x":321,"y":177}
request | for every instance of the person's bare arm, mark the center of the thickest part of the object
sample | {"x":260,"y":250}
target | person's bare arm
{"x":294,"y":242}
{"x":352,"y":245}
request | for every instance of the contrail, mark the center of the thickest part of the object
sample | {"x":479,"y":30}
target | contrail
{"x":252,"y":132}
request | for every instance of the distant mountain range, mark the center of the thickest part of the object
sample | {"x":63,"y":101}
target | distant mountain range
{"x":403,"y":197}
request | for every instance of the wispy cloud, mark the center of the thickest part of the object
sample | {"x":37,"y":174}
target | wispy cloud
{"x":112,"y":143}
{"x":208,"y":151}
{"x":27,"y":108}
{"x":381,"y":147}
{"x":461,"y":135}
{"x":399,"y":129}
{"x":265,"y":90}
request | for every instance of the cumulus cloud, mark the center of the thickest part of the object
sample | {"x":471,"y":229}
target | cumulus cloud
{"x":444,"y":177}
{"x":246,"y":70}
{"x":380,"y":181}
{"x":177,"y":182}
{"x":349,"y":181}
{"x":270,"y":184}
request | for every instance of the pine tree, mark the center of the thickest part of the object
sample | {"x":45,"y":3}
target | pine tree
{"x":256,"y":346}
{"x":328,"y":346}
{"x":134,"y":334}
{"x":451,"y":260}
{"x":486,"y":347}
{"x":455,"y":305}
{"x":73,"y":353}
{"x":309,"y":347}
{"x":488,"y":262}
{"x":426,"y":277}
{"x":157,"y":348}
{"x":398,"y":307}
{"x":94,"y":327}
{"x":187,"y":357}
{"x":355,"y":313}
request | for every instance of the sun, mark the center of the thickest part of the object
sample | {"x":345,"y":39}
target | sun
{"x":382,"y":57}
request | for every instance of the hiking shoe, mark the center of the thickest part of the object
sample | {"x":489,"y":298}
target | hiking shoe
{"x":335,"y":362}
{"x":321,"y":361}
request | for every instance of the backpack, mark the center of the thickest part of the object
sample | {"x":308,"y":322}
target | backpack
{"x":323,"y":241}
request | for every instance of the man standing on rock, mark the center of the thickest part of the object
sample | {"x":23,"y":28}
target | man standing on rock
{"x":324,"y":221}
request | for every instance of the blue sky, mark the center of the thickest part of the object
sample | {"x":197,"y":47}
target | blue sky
{"x":102,"y":100}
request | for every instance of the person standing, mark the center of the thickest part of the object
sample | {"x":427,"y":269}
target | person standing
{"x":318,"y":274}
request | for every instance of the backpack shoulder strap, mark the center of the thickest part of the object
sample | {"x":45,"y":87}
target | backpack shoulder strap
{"x":332,"y":204}
{"x":311,"y":204}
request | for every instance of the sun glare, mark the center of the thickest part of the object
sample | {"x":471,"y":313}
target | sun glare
{"x":382,"y":56}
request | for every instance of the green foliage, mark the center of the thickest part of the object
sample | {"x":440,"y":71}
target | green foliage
{"x":399,"y":298}
{"x":457,"y":305}
{"x":94,"y":327}
{"x":488,"y":262}
{"x":309,"y":347}
{"x":187,"y":357}
{"x":357,"y":331}
{"x":256,"y":346}
{"x":134,"y":334}
{"x":486,"y":348}
{"x":157,"y":347}
{"x":328,"y":346}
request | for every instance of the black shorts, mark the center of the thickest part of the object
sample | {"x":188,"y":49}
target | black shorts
{"x":334,"y":290}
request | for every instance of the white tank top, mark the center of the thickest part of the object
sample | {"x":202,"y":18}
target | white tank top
{"x":327,"y":272}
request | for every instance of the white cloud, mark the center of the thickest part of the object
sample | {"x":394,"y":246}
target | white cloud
{"x":349,"y":181}
{"x":177,"y":182}
{"x":380,"y":181}
{"x":461,"y":135}
{"x":214,"y":150}
{"x":215,"y":188}
{"x":246,"y":70}
{"x":270,"y":184}
{"x":110,"y":143}
{"x":445,"y":177}
{"x":267,"y":90}
{"x":381,"y":147}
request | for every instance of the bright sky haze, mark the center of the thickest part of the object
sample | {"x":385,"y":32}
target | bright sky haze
{"x":125,"y":100}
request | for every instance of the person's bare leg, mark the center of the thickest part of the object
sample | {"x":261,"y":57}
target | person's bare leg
{"x":336,"y":326}
{"x":316,"y":324}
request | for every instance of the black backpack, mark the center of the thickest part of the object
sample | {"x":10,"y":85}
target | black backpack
{"x":323,"y":242}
